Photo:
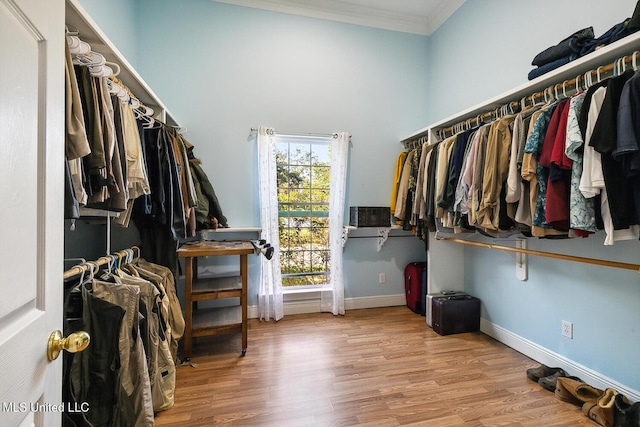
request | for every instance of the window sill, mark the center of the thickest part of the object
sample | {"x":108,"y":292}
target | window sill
{"x":294,"y":293}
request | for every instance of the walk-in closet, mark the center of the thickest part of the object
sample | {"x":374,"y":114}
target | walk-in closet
{"x":298,"y":213}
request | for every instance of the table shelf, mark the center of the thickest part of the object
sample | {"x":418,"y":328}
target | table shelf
{"x":200,"y":322}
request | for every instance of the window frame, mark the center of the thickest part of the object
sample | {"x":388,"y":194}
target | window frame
{"x":310,"y":141}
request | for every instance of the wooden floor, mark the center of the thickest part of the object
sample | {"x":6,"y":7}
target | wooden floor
{"x":374,"y":367}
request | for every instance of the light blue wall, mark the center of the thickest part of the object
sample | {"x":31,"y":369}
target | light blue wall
{"x":484,"y":49}
{"x":222,"y":69}
{"x":118,"y":20}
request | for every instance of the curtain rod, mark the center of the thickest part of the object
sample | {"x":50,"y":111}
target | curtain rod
{"x":556,"y":91}
{"x":605,"y":263}
{"x":318,"y":135}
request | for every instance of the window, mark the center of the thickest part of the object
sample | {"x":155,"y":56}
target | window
{"x":303,"y":174}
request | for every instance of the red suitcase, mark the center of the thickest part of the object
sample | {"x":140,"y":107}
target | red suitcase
{"x":413,"y":277}
{"x":454,"y":315}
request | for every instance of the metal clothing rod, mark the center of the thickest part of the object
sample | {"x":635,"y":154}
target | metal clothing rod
{"x":605,"y":263}
{"x":86,"y":266}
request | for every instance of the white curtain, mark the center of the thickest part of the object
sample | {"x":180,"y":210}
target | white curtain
{"x":333,"y":299}
{"x":270,"y":303}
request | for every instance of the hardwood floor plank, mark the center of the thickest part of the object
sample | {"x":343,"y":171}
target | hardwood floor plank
{"x":376,"y":367}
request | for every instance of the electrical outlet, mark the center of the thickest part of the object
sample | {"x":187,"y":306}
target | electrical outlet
{"x":567,"y":329}
{"x":382,"y":278}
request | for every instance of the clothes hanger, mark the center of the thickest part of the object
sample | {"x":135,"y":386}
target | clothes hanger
{"x":578,"y":88}
{"x":115,"y":67}
{"x":92,"y":270}
{"x":77,"y":46}
{"x":101,"y":71}
{"x":622,"y":68}
{"x":70,"y":30}
{"x":134,"y":102}
{"x":587,"y":80}
{"x":150,"y":122}
{"x":634,"y":64}
{"x":598,"y":74}
{"x":523,"y":103}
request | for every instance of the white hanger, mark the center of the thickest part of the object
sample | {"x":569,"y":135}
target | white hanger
{"x":77,"y":46}
{"x":587,"y":80}
{"x":523,"y":103}
{"x":623,"y":66}
{"x":598,"y":73}
{"x":91,"y":59}
{"x":578,"y":87}
{"x":115,"y":67}
{"x":135,"y":103}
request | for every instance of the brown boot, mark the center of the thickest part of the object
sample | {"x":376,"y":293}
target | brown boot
{"x":577,"y":392}
{"x":603,"y":411}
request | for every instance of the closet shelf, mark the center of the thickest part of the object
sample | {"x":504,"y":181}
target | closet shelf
{"x":382,"y":233}
{"x":89,"y":31}
{"x":219,"y":320}
{"x":97,"y":213}
{"x":211,"y":234}
{"x":592,"y":61}
{"x":216,"y":287}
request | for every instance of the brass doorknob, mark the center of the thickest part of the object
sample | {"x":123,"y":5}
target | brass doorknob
{"x":74,"y":343}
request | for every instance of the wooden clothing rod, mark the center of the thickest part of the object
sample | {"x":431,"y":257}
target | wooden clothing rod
{"x":105,"y":260}
{"x":605,"y":263}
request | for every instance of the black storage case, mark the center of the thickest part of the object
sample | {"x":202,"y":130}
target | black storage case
{"x":455,"y":315}
{"x":363,"y":216}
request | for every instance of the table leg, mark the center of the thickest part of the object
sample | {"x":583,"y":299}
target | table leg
{"x":188,"y":308}
{"x":243,"y":274}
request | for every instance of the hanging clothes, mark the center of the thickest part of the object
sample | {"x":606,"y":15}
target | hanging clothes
{"x":627,"y":150}
{"x":581,"y":210}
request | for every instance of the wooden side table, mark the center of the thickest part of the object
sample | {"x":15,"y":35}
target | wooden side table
{"x":213,"y":321}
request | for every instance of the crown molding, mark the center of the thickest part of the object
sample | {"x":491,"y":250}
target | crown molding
{"x":340,"y":11}
{"x":443,"y":12}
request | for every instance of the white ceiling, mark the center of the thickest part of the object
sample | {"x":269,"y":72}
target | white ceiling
{"x":409,"y":16}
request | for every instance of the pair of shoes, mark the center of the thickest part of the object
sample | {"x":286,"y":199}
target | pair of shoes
{"x":549,"y":382}
{"x":262,"y":247}
{"x":627,"y":415}
{"x":574,"y":391}
{"x":534,"y":374}
{"x":603,"y":410}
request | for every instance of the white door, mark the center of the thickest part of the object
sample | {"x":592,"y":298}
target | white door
{"x":31,"y":208}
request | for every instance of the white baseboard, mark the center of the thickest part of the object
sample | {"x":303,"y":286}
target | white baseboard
{"x":547,"y":357}
{"x":375,"y":301}
{"x":313,"y":305}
